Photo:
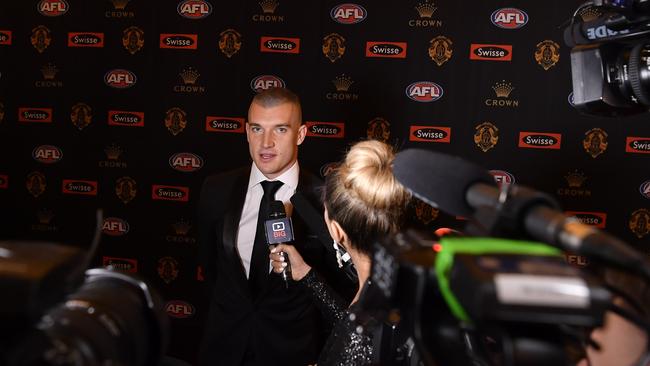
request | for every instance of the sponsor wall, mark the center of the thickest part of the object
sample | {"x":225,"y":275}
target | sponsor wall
{"x":128,"y":104}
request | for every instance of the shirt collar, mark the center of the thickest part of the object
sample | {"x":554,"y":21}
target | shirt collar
{"x":289,"y":178}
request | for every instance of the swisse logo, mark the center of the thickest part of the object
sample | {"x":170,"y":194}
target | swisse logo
{"x":264,"y":82}
{"x":186,"y":162}
{"x":348,"y":13}
{"x":509,"y":18}
{"x":491,"y":52}
{"x":5,"y":37}
{"x":120,"y":79}
{"x":386,"y":49}
{"x":194,"y":9}
{"x":424,"y":91}
{"x":597,"y":219}
{"x":430,"y":134}
{"x":179,"y":309}
{"x":326,"y":129}
{"x":4,"y":181}
{"x":540,"y":140}
{"x":179,"y":41}
{"x":27,"y":114}
{"x":502,"y":177}
{"x":121,"y":264}
{"x":85,"y":39}
{"x":47,"y":154}
{"x":114,"y":226}
{"x":83,"y":187}
{"x":639,"y":145}
{"x":224,"y":124}
{"x":52,"y":8}
{"x":280,"y":45}
{"x":170,"y":193}
{"x":124,"y":118}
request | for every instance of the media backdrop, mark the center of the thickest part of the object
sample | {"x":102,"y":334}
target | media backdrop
{"x":128,"y":104}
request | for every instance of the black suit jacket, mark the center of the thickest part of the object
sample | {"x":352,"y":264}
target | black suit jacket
{"x":279,"y":326}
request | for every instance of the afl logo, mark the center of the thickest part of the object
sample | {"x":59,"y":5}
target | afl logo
{"x":120,"y":79}
{"x":179,"y":309}
{"x":348,"y":13}
{"x":115,"y":226}
{"x":644,"y":189}
{"x":502,"y":177}
{"x":47,"y":154}
{"x":509,"y":18}
{"x":194,"y":9}
{"x":424,"y":91}
{"x":52,"y":8}
{"x":264,"y":82}
{"x":186,"y":162}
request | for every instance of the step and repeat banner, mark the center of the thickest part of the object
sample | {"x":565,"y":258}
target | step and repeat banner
{"x":126,"y":105}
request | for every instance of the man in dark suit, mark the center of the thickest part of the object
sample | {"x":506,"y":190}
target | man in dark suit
{"x":254,"y":319}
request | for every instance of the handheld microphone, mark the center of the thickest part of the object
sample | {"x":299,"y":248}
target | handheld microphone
{"x":463,"y":188}
{"x":278,"y":229}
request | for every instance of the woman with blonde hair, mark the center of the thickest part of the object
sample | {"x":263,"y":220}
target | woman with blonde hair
{"x":363,"y":203}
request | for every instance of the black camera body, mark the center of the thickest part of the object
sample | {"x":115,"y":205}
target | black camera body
{"x":55,"y":312}
{"x":610,"y":57}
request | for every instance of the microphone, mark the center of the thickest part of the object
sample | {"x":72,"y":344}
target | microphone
{"x":463,"y":188}
{"x":278,"y":229}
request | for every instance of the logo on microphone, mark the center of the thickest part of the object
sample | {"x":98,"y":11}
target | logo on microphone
{"x":278,"y":226}
{"x":640,"y":222}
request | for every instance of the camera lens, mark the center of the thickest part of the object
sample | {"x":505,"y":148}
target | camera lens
{"x":113,"y":319}
{"x":631,"y":73}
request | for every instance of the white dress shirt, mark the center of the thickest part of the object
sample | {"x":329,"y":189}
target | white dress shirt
{"x":248,"y":221}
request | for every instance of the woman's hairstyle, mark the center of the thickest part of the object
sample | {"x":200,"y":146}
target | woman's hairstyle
{"x":363,"y":195}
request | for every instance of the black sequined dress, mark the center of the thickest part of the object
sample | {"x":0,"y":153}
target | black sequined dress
{"x":347,"y":345}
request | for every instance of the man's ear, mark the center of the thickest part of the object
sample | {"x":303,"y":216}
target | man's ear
{"x":302,"y":132}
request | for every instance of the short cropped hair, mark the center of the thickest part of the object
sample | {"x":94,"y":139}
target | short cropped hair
{"x":364,"y":196}
{"x":273,"y":97}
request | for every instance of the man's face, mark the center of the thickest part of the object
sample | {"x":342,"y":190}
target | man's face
{"x":273,"y":136}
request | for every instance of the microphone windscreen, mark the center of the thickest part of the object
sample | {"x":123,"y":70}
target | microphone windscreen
{"x":438,"y":179}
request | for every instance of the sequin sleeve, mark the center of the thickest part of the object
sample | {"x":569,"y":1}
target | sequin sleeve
{"x":330,"y":304}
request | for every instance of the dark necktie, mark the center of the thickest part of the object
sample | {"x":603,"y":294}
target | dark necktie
{"x":259,"y":269}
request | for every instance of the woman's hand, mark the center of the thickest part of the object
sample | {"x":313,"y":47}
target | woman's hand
{"x":299,"y":268}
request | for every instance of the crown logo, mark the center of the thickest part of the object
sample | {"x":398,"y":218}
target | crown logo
{"x":49,"y":71}
{"x":120,"y":4}
{"x":342,"y":83}
{"x":425,"y":9}
{"x":44,"y":216}
{"x":575,"y":179}
{"x":181,"y":227}
{"x":269,"y":6}
{"x":113,"y":152}
{"x":189,"y":76}
{"x":503,"y":89}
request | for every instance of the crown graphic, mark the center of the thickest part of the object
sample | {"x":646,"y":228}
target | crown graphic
{"x":588,"y":14}
{"x":44,"y":216}
{"x":113,"y":151}
{"x":269,"y":6}
{"x":342,"y":83}
{"x":189,"y":76}
{"x":503,"y":89}
{"x":49,"y":71}
{"x":120,"y":4}
{"x":575,"y":179}
{"x":181,"y":227}
{"x":425,"y":9}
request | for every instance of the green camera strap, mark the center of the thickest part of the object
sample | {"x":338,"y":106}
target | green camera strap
{"x":478,"y":246}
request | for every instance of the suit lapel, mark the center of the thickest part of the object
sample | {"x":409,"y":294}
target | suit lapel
{"x":231,"y":226}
